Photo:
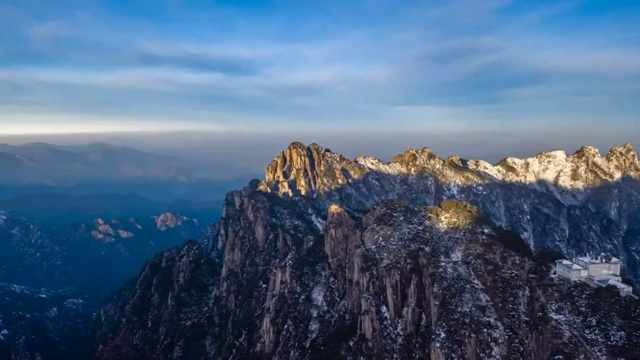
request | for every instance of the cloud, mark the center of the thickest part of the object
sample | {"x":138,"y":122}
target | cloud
{"x":449,"y":62}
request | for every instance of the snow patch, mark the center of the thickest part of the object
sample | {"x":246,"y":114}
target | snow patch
{"x":53,"y":312}
{"x":375,"y":164}
{"x":317,"y":296}
{"x":74,"y":303}
{"x":318,"y":222}
{"x":456,"y":255}
{"x":317,"y":299}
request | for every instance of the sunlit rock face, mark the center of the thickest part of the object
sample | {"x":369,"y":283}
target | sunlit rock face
{"x":422,"y":257}
{"x":579,"y":203}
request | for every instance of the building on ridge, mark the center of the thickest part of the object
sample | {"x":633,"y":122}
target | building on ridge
{"x":597,"y":271}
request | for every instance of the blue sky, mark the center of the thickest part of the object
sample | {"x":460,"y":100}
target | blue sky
{"x":419,"y":65}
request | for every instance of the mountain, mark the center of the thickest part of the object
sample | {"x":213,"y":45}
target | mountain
{"x":421,"y":257}
{"x":46,"y":164}
{"x":54,"y":278}
{"x":94,"y":257}
{"x":99,"y":169}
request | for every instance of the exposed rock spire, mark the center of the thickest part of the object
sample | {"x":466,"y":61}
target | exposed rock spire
{"x":332,"y":258}
{"x":304,"y":170}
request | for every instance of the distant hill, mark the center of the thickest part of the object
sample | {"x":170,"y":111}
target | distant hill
{"x":53,"y":278}
{"x":100,"y":168}
{"x":47,"y":164}
{"x":94,"y":255}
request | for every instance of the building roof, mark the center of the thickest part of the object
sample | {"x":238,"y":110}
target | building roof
{"x":568,"y":264}
{"x":589,"y":260}
{"x":600,"y":259}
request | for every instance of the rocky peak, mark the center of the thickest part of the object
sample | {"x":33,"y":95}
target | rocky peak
{"x":407,"y":158}
{"x":300,"y":170}
{"x":168,"y":221}
{"x":297,"y":163}
{"x":455,"y":160}
{"x":305,"y":170}
{"x":557,"y":155}
{"x":412,"y":161}
{"x":389,"y":283}
{"x":587,"y":153}
{"x":342,"y":235}
{"x":623,"y":158}
{"x":333,"y":258}
{"x":584,"y":169}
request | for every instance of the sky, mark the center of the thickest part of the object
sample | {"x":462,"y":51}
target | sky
{"x":466,"y":68}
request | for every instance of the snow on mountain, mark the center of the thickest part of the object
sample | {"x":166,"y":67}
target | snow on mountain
{"x":421,"y":257}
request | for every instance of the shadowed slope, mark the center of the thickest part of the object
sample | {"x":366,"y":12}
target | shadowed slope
{"x":329,"y":258}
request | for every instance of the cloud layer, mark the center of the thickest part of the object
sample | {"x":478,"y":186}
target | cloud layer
{"x":424,"y":64}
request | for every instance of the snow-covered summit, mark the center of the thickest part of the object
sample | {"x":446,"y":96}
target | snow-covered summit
{"x":315,"y":169}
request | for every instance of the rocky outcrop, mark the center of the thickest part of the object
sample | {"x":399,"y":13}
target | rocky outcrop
{"x":556,"y":202}
{"x":46,"y":270}
{"x":301,"y":170}
{"x":329,"y":258}
{"x":315,"y":169}
{"x":177,"y":279}
{"x":170,"y":221}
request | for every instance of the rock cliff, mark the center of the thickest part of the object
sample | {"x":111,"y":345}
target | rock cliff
{"x":556,"y":202}
{"x":421,"y":257}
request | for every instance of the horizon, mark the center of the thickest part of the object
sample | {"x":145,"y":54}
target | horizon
{"x":116,"y":67}
{"x":250,"y":150}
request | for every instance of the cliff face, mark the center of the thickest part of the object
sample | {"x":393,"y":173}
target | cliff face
{"x":333,"y":258}
{"x":570,"y":204}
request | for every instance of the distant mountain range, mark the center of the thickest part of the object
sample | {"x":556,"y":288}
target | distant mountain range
{"x":100,"y":168}
{"x":75,"y":223}
{"x":53,"y":278}
{"x":46,"y":164}
{"x":97,"y":254}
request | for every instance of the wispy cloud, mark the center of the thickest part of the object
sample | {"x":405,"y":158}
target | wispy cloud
{"x":450,"y":62}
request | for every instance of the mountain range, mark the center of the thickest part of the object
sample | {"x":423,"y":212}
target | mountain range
{"x":54,"y":278}
{"x":421,"y":257}
{"x":101,"y":168}
{"x":46,"y":164}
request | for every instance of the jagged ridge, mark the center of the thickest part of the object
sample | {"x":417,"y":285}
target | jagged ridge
{"x":314,"y":168}
{"x":328,"y":258}
{"x":583,"y":202}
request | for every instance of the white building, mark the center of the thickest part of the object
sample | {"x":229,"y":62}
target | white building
{"x":569,"y":270}
{"x":601,"y":265}
{"x":601,"y":270}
